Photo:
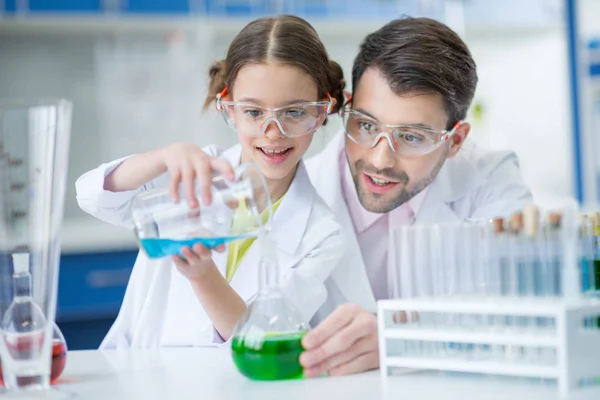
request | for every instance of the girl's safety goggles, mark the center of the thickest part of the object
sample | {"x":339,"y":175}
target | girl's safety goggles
{"x":293,"y":120}
{"x":407,"y":140}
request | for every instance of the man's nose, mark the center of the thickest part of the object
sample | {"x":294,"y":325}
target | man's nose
{"x":383,"y":154}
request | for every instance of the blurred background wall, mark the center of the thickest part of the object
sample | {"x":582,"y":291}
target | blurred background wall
{"x":137,"y":73}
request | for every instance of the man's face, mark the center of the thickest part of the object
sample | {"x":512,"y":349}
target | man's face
{"x":385,"y":180}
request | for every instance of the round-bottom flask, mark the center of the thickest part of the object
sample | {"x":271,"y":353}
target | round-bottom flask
{"x":24,"y":327}
{"x":58,"y":356}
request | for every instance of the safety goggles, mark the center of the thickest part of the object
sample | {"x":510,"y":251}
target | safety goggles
{"x":407,"y":140}
{"x":293,"y":120}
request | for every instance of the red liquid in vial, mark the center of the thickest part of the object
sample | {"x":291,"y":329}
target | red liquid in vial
{"x":59,"y":359}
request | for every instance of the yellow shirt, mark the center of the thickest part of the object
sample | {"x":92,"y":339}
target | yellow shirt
{"x":238,"y":249}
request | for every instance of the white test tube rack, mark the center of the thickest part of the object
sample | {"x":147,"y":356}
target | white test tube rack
{"x":575,"y":345}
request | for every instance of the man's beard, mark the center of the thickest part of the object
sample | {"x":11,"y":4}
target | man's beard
{"x":372,"y":202}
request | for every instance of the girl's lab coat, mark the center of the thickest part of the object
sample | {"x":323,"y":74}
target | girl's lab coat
{"x":474,"y":184}
{"x":160,"y":307}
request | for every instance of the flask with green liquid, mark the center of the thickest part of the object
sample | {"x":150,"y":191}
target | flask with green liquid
{"x":266,"y":344}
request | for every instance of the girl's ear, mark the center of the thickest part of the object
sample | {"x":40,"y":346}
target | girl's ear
{"x":347,"y":98}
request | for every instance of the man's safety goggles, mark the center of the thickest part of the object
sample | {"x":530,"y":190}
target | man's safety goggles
{"x":407,"y":140}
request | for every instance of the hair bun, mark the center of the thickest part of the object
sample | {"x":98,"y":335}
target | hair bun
{"x":217,"y":81}
{"x":337,"y":84}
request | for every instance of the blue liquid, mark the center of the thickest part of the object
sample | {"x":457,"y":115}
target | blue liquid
{"x":585,"y":275}
{"x":158,"y":248}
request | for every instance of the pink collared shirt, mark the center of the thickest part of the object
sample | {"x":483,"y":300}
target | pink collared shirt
{"x":374,"y":230}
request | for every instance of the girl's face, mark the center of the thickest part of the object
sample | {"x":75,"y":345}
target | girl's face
{"x":272,"y":85}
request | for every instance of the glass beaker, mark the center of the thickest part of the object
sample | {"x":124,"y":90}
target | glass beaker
{"x":267,"y":340}
{"x":239,"y":209}
{"x":34,"y":153}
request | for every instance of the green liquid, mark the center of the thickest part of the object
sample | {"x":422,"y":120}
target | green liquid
{"x":597,"y":282}
{"x":277,"y":357}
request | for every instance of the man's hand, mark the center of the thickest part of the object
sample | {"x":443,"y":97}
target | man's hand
{"x":344,"y":343}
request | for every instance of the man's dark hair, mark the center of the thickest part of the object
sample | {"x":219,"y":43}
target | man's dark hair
{"x":421,"y":55}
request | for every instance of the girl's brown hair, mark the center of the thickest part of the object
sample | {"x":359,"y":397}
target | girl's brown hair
{"x":286,"y":39}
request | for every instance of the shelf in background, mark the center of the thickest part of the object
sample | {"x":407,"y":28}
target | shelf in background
{"x":85,"y":24}
{"x":94,"y":25}
{"x":88,"y":235}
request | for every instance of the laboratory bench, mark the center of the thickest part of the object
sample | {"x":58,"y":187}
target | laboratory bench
{"x":209,"y":373}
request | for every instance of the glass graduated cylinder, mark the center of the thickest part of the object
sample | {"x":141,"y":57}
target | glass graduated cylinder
{"x":266,"y":342}
{"x":238,"y":210}
{"x":34,"y":155}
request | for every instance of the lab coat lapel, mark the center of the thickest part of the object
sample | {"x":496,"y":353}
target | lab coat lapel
{"x":351,"y":275}
{"x":289,"y":224}
{"x":233,"y":155}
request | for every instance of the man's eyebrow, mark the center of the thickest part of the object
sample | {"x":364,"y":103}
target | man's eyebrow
{"x":421,"y":125}
{"x":360,"y":110}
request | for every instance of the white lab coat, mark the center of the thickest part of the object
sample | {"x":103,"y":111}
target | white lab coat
{"x":474,"y":184}
{"x":160,"y":302}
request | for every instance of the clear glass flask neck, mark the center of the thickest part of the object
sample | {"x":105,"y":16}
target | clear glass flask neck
{"x":22,"y":286}
{"x":269,"y":267}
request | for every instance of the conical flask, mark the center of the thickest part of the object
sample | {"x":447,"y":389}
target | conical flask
{"x":267,"y":340}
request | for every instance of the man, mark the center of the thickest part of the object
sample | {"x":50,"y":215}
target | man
{"x":403,"y":160}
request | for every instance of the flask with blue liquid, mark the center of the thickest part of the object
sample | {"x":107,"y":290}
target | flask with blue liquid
{"x":239,"y":209}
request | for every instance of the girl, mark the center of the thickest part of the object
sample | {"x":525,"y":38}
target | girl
{"x":275,"y":88}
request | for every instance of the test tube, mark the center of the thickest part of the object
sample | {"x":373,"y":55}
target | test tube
{"x":486,"y":281}
{"x":514,"y":259}
{"x":424,"y":281}
{"x":498,"y":270}
{"x":468,"y":233}
{"x":500,"y":259}
{"x":467,"y":271}
{"x":553,"y":272}
{"x":529,"y":266}
{"x":554,"y":252}
{"x":596,"y":269}
{"x":404,"y":286}
{"x":551,"y":263}
{"x":531,"y":270}
{"x":449,"y":239}
{"x":440,"y":261}
{"x":571,"y":279}
{"x":401,"y":267}
{"x":587,"y":252}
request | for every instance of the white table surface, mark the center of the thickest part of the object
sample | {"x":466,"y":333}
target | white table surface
{"x":209,"y":373}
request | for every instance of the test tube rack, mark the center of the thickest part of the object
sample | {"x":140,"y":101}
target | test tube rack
{"x":429,"y":342}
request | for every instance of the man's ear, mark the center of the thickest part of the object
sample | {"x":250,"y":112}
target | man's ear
{"x":458,"y":139}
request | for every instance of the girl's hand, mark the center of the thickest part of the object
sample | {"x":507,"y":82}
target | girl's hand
{"x":189,"y":166}
{"x":197,"y":262}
